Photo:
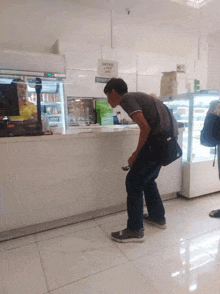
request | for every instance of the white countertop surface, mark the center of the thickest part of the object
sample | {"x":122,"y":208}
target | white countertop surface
{"x":79,"y":132}
{"x":76,"y":132}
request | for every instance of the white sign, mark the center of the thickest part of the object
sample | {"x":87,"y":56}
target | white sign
{"x":107,"y":68}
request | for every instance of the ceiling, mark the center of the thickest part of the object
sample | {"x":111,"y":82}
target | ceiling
{"x":164,"y":14}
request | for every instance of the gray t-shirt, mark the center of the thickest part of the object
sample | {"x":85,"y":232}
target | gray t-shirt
{"x":153,"y":110}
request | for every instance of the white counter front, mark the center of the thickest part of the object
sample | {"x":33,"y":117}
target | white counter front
{"x":50,"y":181}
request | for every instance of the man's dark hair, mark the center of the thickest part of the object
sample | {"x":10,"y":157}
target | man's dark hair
{"x":117,"y":84}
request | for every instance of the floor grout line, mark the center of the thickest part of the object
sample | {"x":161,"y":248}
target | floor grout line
{"x":94,"y":274}
{"x":42,"y":265}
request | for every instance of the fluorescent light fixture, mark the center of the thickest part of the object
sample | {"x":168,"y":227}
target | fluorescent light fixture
{"x":193,"y":3}
{"x":197,"y":1}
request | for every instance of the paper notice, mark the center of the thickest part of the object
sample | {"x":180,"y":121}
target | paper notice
{"x":168,"y":84}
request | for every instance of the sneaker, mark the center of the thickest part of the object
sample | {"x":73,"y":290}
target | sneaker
{"x":126,"y":236}
{"x":149,"y":220}
{"x":215,"y":213}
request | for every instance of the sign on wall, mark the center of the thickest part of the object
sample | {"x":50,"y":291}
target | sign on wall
{"x":101,"y":80}
{"x":107,"y":68}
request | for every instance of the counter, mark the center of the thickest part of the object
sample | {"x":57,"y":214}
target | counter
{"x":51,"y":181}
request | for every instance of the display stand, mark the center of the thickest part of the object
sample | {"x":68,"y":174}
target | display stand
{"x":199,"y":175}
{"x":9,"y":106}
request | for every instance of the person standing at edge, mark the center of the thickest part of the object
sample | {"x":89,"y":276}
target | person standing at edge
{"x":144,"y":110}
{"x":28,"y":111}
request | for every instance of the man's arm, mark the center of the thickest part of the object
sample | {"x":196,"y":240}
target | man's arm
{"x":145,"y":129}
{"x":33,"y":111}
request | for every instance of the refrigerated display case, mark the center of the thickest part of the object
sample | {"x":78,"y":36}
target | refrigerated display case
{"x":52,"y":100}
{"x":80,"y":111}
{"x":52,"y":104}
{"x":199,"y":175}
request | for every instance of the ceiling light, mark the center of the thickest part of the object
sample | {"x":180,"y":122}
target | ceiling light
{"x":193,"y":3}
{"x":197,"y":1}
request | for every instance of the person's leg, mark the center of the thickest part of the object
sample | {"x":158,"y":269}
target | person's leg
{"x":140,"y":173}
{"x":143,"y":168}
{"x":153,"y":200}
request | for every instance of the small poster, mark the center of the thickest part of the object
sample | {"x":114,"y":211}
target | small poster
{"x":168,"y":86}
{"x":107,"y":68}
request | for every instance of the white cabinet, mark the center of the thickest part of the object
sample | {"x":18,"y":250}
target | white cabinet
{"x":199,"y":175}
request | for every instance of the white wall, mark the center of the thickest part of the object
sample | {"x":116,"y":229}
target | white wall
{"x":31,"y":61}
{"x":213,"y":81}
{"x":143,"y":51}
{"x":141,"y":70}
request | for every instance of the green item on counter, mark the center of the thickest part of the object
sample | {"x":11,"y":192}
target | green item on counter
{"x":104,"y":112}
{"x":106,"y":121}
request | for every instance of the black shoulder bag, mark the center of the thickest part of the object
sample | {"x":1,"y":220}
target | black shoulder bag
{"x":164,"y":146}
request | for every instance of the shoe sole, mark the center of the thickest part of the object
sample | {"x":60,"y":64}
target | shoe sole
{"x":130,"y":240}
{"x":163,"y":227}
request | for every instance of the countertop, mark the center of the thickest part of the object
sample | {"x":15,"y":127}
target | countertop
{"x":80,"y":132}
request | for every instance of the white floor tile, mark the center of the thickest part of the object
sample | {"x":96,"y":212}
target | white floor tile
{"x":113,"y":222}
{"x":155,"y":239}
{"x":190,"y":222}
{"x":15,"y":243}
{"x":185,"y":220}
{"x":181,"y":269}
{"x":183,"y":223}
{"x":21,"y":271}
{"x":210,"y":243}
{"x":65,"y":230}
{"x":77,"y":255}
{"x":122,"y":279}
{"x":81,"y":258}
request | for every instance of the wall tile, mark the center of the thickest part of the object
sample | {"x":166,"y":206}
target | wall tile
{"x":81,"y":83}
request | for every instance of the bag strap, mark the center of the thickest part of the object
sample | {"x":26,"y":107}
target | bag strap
{"x":171,"y":121}
{"x":215,"y":155}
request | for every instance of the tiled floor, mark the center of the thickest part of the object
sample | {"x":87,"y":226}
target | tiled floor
{"x":81,"y":258}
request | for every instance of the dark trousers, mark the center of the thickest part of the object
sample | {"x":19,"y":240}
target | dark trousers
{"x":140,"y":181}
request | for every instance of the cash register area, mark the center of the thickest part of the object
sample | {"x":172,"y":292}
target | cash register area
{"x":81,"y":258}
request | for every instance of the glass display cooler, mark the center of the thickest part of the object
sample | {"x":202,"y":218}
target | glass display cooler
{"x":52,"y":104}
{"x":52,"y":100}
{"x":199,"y":176}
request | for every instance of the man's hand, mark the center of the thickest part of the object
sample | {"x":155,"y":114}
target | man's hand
{"x":132,"y":159}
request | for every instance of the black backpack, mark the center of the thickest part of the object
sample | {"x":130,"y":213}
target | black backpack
{"x":210,"y":134}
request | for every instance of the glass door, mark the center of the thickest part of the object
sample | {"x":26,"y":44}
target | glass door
{"x":52,"y":103}
{"x":190,"y":109}
{"x":52,"y":100}
{"x":201,"y":106}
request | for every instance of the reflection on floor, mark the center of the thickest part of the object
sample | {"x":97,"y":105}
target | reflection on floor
{"x":81,"y":258}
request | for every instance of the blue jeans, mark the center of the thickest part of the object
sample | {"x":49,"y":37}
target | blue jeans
{"x":141,"y":180}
